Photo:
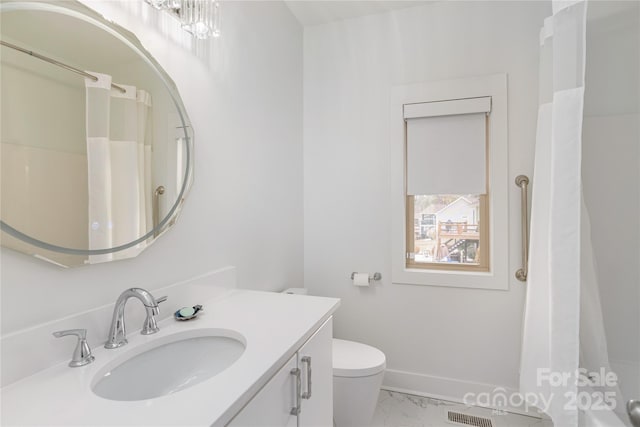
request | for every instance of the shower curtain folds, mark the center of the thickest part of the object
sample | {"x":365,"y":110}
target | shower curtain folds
{"x":550,"y":348}
{"x":564,"y":360}
{"x":118,"y":156}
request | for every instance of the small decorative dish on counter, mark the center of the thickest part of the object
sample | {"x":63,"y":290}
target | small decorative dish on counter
{"x":187,"y":313}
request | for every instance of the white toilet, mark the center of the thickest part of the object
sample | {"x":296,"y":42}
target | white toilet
{"x":357,"y":376}
{"x":358,"y":370}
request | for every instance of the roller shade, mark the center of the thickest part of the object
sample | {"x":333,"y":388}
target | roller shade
{"x":447,"y":147}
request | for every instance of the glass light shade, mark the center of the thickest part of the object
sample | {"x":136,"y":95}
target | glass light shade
{"x":158,"y":4}
{"x":200,"y":17}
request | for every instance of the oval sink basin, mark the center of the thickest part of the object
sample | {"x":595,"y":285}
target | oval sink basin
{"x":169,"y":364}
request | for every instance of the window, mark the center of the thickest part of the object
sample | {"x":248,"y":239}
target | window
{"x":449,"y":183}
{"x":446,"y":175}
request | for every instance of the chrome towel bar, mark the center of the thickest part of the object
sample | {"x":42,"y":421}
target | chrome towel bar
{"x":522,"y":181}
{"x":156,"y":209}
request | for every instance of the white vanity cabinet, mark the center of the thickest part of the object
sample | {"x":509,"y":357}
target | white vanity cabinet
{"x":258,"y":389}
{"x":303,"y":386}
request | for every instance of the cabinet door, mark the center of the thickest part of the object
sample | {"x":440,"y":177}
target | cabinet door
{"x":316,"y":367}
{"x":272,"y":405}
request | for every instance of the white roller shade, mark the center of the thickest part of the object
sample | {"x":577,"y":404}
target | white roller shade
{"x":446,"y":154}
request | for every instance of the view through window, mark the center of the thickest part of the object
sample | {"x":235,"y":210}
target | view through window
{"x":448,"y":229}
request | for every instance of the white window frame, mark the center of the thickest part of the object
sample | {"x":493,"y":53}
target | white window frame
{"x":494,"y":86}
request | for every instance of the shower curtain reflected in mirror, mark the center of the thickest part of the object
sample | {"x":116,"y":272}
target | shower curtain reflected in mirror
{"x":119,"y":158}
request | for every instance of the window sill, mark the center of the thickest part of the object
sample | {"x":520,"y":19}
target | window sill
{"x":450,"y":278}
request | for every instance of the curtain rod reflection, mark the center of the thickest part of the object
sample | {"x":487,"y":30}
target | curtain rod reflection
{"x":59,"y":64}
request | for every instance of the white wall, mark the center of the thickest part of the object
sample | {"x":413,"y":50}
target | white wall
{"x":611,"y":177}
{"x":243,"y":93}
{"x":349,"y":67}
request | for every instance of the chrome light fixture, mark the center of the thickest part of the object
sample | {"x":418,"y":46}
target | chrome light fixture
{"x":170,"y":5}
{"x":201,"y":18}
{"x":158,"y":4}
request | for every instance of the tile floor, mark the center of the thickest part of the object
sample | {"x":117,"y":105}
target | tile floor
{"x":404,"y":410}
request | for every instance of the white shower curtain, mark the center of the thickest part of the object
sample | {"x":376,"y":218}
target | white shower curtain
{"x":563,"y":321}
{"x":551,"y":344}
{"x":118,"y":156}
{"x":594,"y":353}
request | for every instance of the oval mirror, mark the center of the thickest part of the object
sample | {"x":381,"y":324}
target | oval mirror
{"x":96,"y":145}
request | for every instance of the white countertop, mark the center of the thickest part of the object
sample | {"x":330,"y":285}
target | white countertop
{"x":273,"y":325}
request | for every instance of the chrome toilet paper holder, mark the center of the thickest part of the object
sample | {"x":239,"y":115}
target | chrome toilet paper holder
{"x":375,"y":277}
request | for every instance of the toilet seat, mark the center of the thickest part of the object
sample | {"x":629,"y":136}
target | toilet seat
{"x":354,"y":359}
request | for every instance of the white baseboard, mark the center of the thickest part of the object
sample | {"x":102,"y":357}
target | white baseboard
{"x":18,"y":349}
{"x":452,"y":390}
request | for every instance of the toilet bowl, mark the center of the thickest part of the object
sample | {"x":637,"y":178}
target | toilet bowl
{"x":358,"y":370}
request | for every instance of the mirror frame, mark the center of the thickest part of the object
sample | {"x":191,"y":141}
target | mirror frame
{"x":80,"y":11}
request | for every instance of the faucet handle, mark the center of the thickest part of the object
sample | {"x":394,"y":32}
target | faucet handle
{"x":150,"y":325}
{"x":82,"y":353}
{"x":80,"y":333}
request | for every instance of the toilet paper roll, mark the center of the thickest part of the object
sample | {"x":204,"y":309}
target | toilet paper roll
{"x":361,"y":279}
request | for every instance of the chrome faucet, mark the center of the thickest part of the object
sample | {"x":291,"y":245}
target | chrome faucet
{"x":117,"y":334}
